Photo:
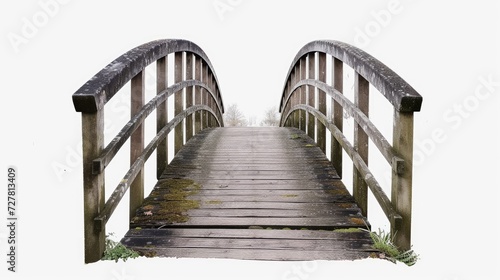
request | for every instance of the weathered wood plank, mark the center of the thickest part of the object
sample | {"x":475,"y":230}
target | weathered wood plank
{"x":325,"y":223}
{"x":256,"y":254}
{"x":248,"y":233}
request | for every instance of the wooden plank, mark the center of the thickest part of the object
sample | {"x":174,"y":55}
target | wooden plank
{"x":249,"y":233}
{"x":325,"y":223}
{"x":255,"y":254}
{"x":249,"y":243}
{"x":258,"y":212}
{"x":217,"y":204}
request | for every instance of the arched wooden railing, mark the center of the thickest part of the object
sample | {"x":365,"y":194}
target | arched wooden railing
{"x":298,"y":108}
{"x":198,"y":103}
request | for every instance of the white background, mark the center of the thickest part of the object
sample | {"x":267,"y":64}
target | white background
{"x":442,"y":49}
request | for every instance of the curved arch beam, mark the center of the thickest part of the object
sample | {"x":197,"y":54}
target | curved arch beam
{"x":399,"y":93}
{"x":95,"y":93}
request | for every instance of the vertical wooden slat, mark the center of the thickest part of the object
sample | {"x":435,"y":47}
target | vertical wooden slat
{"x":219,"y":110}
{"x":197,"y":93}
{"x":311,"y":95}
{"x":289,"y":104}
{"x":337,"y":114}
{"x":93,"y":185}
{"x":205,"y":96}
{"x":303,"y":100}
{"x":212,"y":101}
{"x":179,"y":102}
{"x":320,"y":127}
{"x":161,"y":115}
{"x":401,"y":193}
{"x":189,"y":95}
{"x":210,"y":98}
{"x":137,"y":99}
{"x":361,"y":100}
{"x":295,"y":99}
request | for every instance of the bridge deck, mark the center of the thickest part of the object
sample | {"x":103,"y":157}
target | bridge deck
{"x":250,"y":193}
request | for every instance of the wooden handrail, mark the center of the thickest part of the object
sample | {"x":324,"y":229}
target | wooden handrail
{"x":397,"y":91}
{"x":298,"y":108}
{"x":95,"y":93}
{"x":91,"y":99}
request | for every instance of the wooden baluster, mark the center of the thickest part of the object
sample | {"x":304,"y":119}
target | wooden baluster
{"x":179,"y":102}
{"x":205,"y":95}
{"x":296,"y":96}
{"x":311,"y":99}
{"x":284,"y":106}
{"x":361,"y":100}
{"x":337,"y":114}
{"x":320,"y":127}
{"x":303,"y":95}
{"x":197,"y":95}
{"x":210,"y":98}
{"x":401,"y":194}
{"x":189,"y":95}
{"x":137,"y":96}
{"x":161,"y":115}
{"x":93,"y":185}
{"x":293,"y":100}
{"x":219,"y":113}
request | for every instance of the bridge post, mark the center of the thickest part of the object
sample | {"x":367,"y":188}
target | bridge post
{"x":189,"y":95}
{"x":361,"y":100}
{"x":93,"y":185}
{"x":303,"y":100}
{"x":137,"y":99}
{"x":210,"y":98}
{"x":320,"y":127}
{"x":198,"y":66}
{"x":401,"y":196}
{"x":311,"y":95}
{"x":337,"y":114}
{"x":293,"y":97}
{"x":205,"y":97}
{"x":161,"y":115}
{"x":179,"y":101}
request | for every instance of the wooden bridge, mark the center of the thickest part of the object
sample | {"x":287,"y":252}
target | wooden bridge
{"x":267,"y":193}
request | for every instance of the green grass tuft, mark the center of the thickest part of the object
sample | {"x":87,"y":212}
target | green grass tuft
{"x":117,"y":251}
{"x":383,"y":242}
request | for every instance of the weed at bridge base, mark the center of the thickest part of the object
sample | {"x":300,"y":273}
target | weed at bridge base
{"x":116,"y":251}
{"x":382,"y":241}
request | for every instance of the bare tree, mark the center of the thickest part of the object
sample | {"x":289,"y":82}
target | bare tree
{"x":234,"y":117}
{"x":271,"y":117}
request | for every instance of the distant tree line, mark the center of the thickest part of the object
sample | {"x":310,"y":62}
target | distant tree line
{"x":234,"y":117}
